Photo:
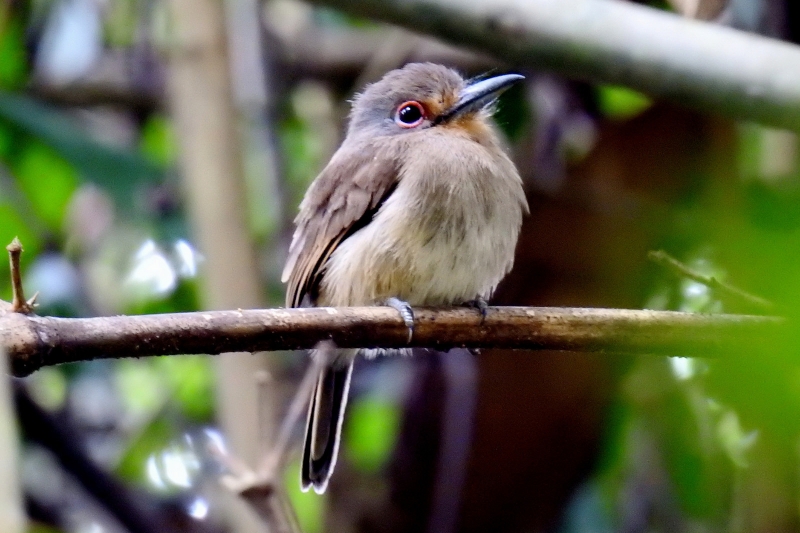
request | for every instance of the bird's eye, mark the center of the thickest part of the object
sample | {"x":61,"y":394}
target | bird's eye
{"x":409,"y":114}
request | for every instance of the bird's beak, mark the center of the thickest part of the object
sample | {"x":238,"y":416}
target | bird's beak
{"x":480,"y":94}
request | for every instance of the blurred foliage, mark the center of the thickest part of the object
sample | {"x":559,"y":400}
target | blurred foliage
{"x":705,"y":422}
{"x":309,"y":506}
{"x":371,"y":431}
{"x":154,"y":438}
{"x":41,"y":528}
{"x":304,"y":138}
{"x":296,"y":139}
{"x":161,"y":397}
{"x":191,"y":383}
{"x":117,"y":247}
{"x":620,"y":103}
{"x":38,"y":164}
{"x":49,"y":388}
{"x":682,"y":439}
{"x":659,"y":4}
{"x":158,"y":141}
{"x":13,"y":57}
{"x":121,"y":22}
{"x":118,"y":171}
{"x":513,"y":112}
{"x":332,"y":17}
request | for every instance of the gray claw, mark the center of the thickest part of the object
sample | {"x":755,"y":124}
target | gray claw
{"x":480,"y":304}
{"x":406,"y":313}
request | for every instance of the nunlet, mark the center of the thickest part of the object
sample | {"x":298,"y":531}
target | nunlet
{"x":419,"y":206}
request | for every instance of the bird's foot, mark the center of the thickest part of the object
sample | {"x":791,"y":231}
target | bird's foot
{"x":406,"y":313}
{"x":480,"y":304}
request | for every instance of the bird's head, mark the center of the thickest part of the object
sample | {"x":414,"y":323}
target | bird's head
{"x":423,"y":95}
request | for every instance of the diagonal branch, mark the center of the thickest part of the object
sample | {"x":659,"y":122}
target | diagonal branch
{"x":262,"y":489}
{"x":660,"y":257}
{"x":33,"y":342}
{"x":704,"y":66}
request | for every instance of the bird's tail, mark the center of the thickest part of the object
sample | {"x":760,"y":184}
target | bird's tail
{"x":324,"y":428}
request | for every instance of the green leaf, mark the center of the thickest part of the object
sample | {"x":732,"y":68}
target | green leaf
{"x":155,"y":437}
{"x":13,"y":57}
{"x":191,"y":379}
{"x":621,"y":103}
{"x":6,"y":142}
{"x":47,"y":180}
{"x":141,"y":387}
{"x":36,"y":527}
{"x":158,"y":141}
{"x":49,"y":387}
{"x":309,"y":506}
{"x":121,"y":24}
{"x":371,"y":432}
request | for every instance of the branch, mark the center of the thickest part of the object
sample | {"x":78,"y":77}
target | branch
{"x":341,"y":55}
{"x":33,"y":342}
{"x":263,"y":489}
{"x":271,"y":465}
{"x":136,"y":513}
{"x":662,"y":258}
{"x":708,"y":67}
{"x":18,"y":304}
{"x":87,"y":94}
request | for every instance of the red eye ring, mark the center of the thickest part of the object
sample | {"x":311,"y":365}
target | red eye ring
{"x":409,"y":114}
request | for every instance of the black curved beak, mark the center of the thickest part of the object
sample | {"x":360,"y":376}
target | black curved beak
{"x":478,"y":95}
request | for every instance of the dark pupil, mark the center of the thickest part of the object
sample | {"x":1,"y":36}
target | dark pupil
{"x":410,"y":114}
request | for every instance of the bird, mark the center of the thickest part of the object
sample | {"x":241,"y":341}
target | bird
{"x":419,"y":206}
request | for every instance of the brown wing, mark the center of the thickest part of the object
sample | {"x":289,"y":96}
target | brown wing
{"x":342,"y":198}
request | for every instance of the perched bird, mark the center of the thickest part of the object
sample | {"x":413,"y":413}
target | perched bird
{"x":419,"y":206}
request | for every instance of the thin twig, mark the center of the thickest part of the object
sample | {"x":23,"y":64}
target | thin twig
{"x":236,"y":468}
{"x":264,"y":391}
{"x":262,"y":489}
{"x":274,"y":460}
{"x":265,"y":496}
{"x":18,"y":303}
{"x":662,"y":258}
{"x":270,"y":502}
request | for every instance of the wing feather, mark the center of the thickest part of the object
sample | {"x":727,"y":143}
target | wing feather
{"x":341,"y":199}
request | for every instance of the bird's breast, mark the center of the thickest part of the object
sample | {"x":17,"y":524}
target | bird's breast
{"x":446,"y":235}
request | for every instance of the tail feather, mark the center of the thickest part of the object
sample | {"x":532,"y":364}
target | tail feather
{"x":324,"y":428}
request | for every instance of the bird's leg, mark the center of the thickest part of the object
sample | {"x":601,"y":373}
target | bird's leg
{"x":406,"y":313}
{"x":480,"y":304}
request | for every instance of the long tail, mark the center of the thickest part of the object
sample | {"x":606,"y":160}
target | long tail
{"x":324,"y":429}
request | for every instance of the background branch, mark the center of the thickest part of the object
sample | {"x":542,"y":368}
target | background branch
{"x":208,"y":124}
{"x":662,"y":258}
{"x":708,"y":67}
{"x":262,"y":488}
{"x":133,"y":512}
{"x":33,"y":342}
{"x":89,"y":94}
